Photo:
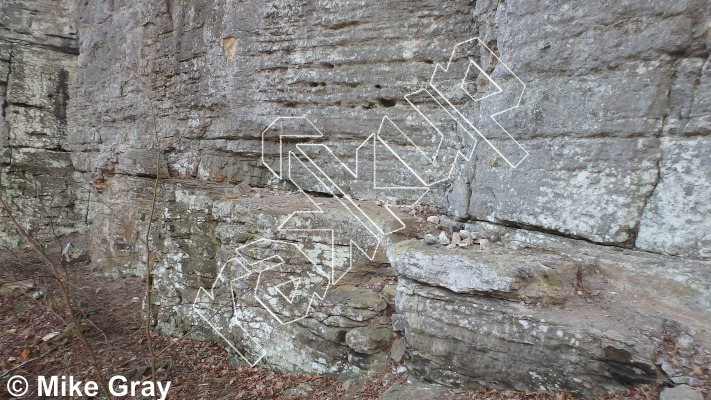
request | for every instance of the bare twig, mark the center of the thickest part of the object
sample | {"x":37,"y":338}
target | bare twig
{"x":149,"y":283}
{"x":43,"y":355}
{"x":65,"y":294}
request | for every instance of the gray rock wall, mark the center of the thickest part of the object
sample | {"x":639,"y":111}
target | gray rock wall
{"x":615,"y":113}
{"x":38,"y":51}
{"x":536,"y":314}
{"x":204,"y":229}
{"x":100,"y":99}
{"x":614,"y":99}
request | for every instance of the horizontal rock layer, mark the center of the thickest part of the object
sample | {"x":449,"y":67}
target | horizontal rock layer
{"x":204,"y":229}
{"x":101,"y":98}
{"x":613,"y":117}
{"x":550,"y":316}
{"x":38,"y":51}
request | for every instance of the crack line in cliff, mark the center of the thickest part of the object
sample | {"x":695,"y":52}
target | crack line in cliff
{"x":659,"y":136}
{"x":645,"y":202}
{"x":52,"y":47}
{"x":7,"y":86}
{"x":534,"y":228}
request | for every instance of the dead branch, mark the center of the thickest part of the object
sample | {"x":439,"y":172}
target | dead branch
{"x":65,"y":294}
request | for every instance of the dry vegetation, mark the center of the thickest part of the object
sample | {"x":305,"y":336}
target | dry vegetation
{"x":110,"y":311}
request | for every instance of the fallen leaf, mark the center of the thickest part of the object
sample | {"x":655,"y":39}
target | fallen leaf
{"x":49,"y":336}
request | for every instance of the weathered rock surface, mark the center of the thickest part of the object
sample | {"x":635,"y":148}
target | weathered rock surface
{"x":616,"y":120}
{"x":474,"y":318}
{"x":675,"y":221}
{"x":346,"y":334}
{"x":407,"y":392}
{"x":557,"y":194}
{"x":38,"y":52}
{"x":600,"y":93}
{"x":517,"y":276}
{"x":602,"y":117}
{"x":681,"y":392}
{"x":368,"y":340}
{"x":200,"y":89}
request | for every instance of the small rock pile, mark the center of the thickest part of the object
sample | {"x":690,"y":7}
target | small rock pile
{"x":463,"y":238}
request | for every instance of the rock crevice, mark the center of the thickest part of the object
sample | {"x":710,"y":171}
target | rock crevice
{"x":594,"y":250}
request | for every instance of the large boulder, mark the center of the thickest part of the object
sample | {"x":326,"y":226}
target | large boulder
{"x":477,"y":318}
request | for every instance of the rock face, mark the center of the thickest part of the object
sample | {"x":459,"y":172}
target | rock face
{"x":672,"y":208}
{"x":514,"y":276}
{"x":625,"y":120}
{"x":579,"y":318}
{"x":682,"y":392}
{"x":610,"y":107}
{"x":552,"y":286}
{"x":345,"y":334}
{"x":38,"y":51}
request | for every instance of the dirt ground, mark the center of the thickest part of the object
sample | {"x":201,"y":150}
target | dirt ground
{"x":110,"y":311}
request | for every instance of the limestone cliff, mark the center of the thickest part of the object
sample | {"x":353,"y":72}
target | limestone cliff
{"x":38,"y":50}
{"x":601,"y":236}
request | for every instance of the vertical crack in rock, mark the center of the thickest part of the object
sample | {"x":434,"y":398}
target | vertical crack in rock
{"x":659,"y":158}
{"x":61,"y":96}
{"x":650,"y":194}
{"x":5,"y":103}
{"x":508,"y":315}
